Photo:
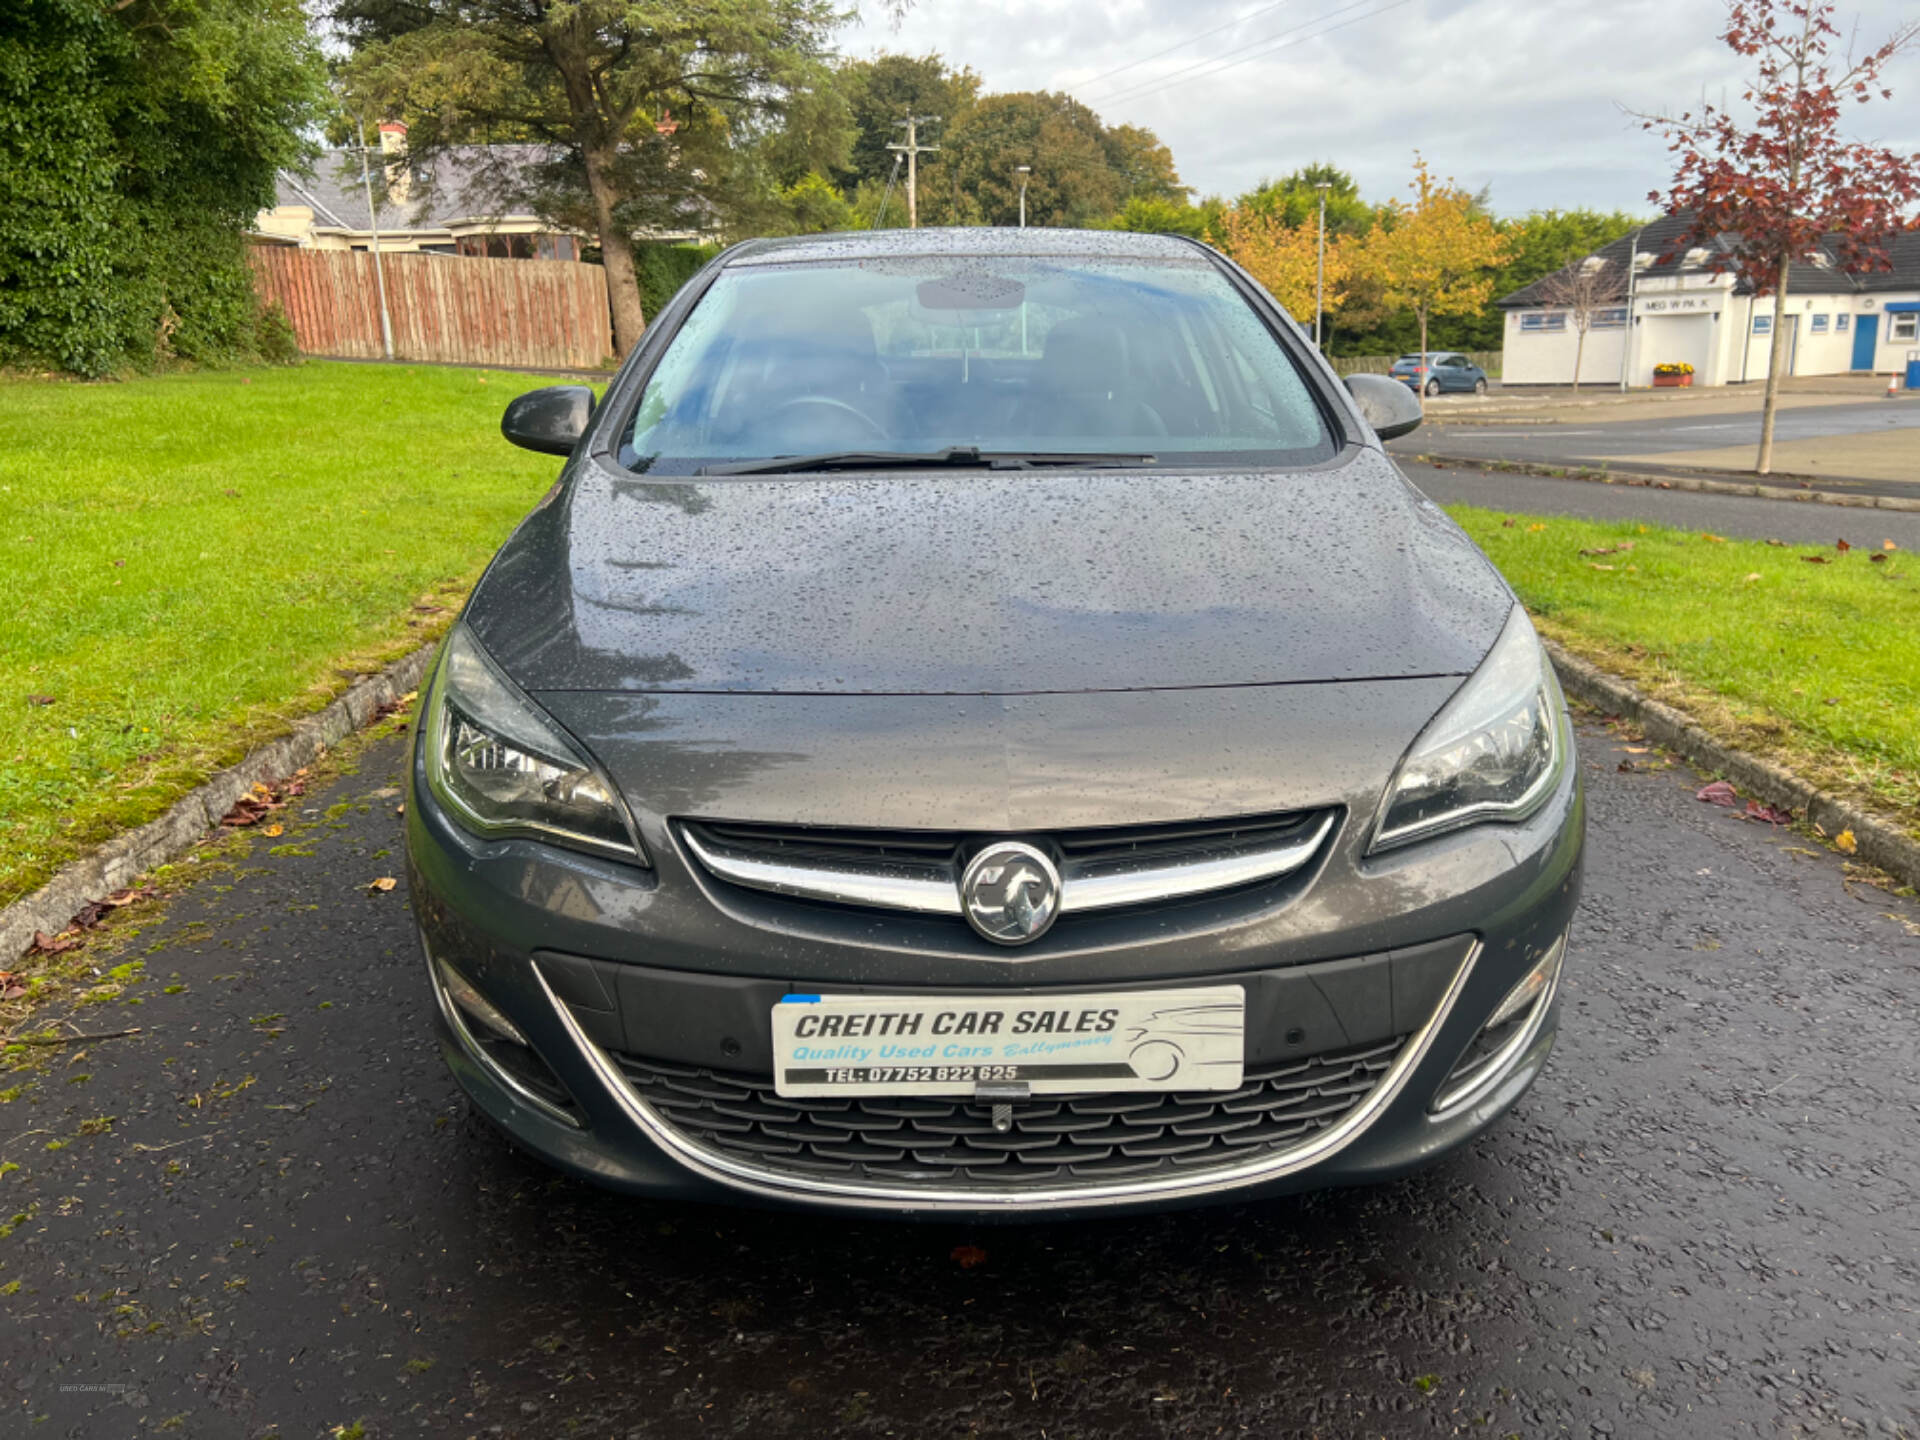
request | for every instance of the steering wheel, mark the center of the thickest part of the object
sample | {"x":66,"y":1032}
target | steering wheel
{"x":827,"y":402}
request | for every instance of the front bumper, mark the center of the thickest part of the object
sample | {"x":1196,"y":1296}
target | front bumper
{"x":590,"y":965}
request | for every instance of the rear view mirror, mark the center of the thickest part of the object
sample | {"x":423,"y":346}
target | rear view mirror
{"x":551,"y":420}
{"x":1391,"y":408}
{"x":973,"y":290}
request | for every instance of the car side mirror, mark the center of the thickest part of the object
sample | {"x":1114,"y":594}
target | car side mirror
{"x":550,"y":420}
{"x":1391,"y":408}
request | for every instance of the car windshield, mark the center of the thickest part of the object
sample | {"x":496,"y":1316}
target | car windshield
{"x":1159,"y":361}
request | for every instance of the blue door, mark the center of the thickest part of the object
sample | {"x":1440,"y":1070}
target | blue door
{"x":1866,"y":333}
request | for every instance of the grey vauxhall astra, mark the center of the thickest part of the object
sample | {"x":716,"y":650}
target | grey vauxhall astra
{"x":980,"y":726}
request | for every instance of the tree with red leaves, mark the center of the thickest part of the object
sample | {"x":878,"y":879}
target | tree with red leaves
{"x":1777,"y":187}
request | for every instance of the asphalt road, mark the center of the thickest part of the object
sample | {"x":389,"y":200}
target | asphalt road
{"x":1795,"y":522}
{"x":1573,"y":440}
{"x":1702,"y":1222}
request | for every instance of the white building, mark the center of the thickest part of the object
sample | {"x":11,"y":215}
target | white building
{"x":1682,"y":312}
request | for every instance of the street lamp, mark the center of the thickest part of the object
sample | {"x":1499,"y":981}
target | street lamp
{"x":1023,"y":171}
{"x":1320,"y":265}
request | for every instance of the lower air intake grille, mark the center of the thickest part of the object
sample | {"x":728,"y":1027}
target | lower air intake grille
{"x":1055,"y":1140}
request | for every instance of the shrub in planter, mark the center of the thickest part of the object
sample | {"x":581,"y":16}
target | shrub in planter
{"x":1669,"y":376}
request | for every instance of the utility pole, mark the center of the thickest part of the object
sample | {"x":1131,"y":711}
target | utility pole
{"x":913,"y":150}
{"x":1320,"y":265}
{"x":373,"y":224}
{"x":1023,"y":171}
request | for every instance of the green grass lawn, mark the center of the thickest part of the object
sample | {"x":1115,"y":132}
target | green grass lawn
{"x":188,"y":561}
{"x":1817,"y":664}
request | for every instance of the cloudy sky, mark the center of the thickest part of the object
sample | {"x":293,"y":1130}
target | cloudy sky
{"x":1525,"y":96}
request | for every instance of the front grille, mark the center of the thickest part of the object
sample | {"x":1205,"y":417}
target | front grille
{"x":816,"y":844}
{"x":1055,"y":1140}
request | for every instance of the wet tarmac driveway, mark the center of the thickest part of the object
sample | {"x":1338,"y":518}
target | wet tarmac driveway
{"x":271,"y":1213}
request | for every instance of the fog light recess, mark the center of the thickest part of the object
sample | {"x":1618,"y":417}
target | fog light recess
{"x":1506,"y":1035}
{"x":499,"y":1045}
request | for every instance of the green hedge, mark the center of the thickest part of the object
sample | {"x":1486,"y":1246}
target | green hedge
{"x":133,"y":156}
{"x":664,"y":268}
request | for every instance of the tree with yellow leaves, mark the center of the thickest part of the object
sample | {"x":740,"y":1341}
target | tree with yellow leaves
{"x":1283,"y":259}
{"x":1435,"y":256}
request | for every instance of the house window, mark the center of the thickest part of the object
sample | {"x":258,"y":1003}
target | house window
{"x":1820,"y":323}
{"x":1842,"y":324}
{"x":1543,"y":322}
{"x":1763,"y":324}
{"x":1612,"y":318}
{"x":1903,"y":327}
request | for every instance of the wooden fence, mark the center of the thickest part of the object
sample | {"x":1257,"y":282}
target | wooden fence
{"x":544,"y":313}
{"x":1487,"y":360}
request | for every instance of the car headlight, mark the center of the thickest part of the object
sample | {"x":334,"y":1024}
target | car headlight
{"x":502,"y":768}
{"x":1495,"y":752}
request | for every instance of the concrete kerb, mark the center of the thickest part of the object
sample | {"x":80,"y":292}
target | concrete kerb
{"x":1678,"y":480}
{"x":1877,"y":841}
{"x":120,"y":862}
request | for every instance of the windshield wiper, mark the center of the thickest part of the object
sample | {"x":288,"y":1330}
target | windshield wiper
{"x":953,"y":456}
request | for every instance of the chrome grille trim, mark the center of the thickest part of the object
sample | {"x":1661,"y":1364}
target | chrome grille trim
{"x":744,"y":1176}
{"x":933,"y":887}
{"x":1050,"y":1139}
{"x":1101,"y":885}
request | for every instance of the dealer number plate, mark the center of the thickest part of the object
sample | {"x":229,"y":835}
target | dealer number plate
{"x":1192,"y":1039}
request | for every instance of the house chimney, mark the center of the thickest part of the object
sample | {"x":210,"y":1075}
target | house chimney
{"x":393,"y":145}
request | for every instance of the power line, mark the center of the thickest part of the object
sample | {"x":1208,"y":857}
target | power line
{"x":1284,"y":40}
{"x":1182,"y":44}
{"x":1153,"y":82}
{"x":1253,"y":49}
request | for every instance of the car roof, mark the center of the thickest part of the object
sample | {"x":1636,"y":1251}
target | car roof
{"x":970,"y":241}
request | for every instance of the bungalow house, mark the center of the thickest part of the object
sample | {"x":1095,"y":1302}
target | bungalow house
{"x":447,"y":208}
{"x":1654,"y":302}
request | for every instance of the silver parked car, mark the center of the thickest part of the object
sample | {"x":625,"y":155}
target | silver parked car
{"x":981,"y":726}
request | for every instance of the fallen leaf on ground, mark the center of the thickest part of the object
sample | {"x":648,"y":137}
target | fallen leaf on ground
{"x":1845,"y":843}
{"x":1780,"y":543}
{"x":1713,"y":539}
{"x":1752,"y":576}
{"x":1718,"y":793}
{"x":1638,"y":749}
{"x":48,"y":699}
{"x":383,"y":884}
{"x":1841,"y":545}
{"x":1598,"y":566}
{"x":1888,"y":545}
{"x":1767,"y":813}
{"x":12,"y":985}
{"x":273,"y":830}
{"x":45,"y":944}
{"x":1816,"y":559}
{"x":1609,"y":549}
{"x":968,"y":1256}
{"x":1540,"y":526}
